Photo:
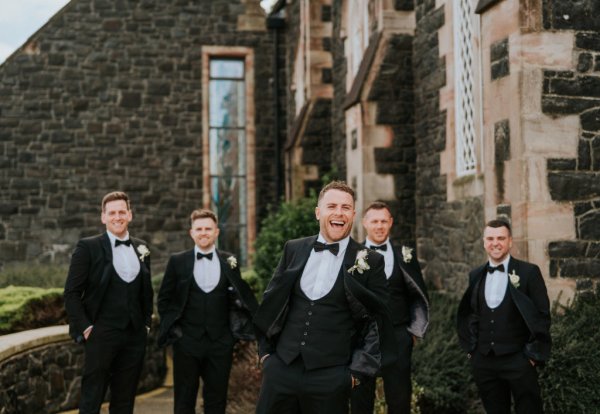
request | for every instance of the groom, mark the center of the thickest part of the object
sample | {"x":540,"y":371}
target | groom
{"x":108,"y":298}
{"x":323,"y":325}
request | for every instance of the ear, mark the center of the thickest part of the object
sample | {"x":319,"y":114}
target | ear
{"x":317,"y":213}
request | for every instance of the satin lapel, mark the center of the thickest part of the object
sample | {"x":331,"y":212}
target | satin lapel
{"x":475,"y":286}
{"x":143,"y":268}
{"x":299,"y":259}
{"x":350,"y":256}
{"x":225,"y":267}
{"x":108,"y":258}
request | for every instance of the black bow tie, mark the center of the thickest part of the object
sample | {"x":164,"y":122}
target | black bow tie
{"x":125,"y":242}
{"x":382,"y":247}
{"x":492,"y":269}
{"x":202,"y":256}
{"x":334,"y":248}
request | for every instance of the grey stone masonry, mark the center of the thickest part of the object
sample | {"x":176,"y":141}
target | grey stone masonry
{"x":47,"y":379}
{"x":577,"y":180}
{"x":108,"y":96}
{"x":448,"y":233}
{"x":499,"y":61}
{"x":338,"y":127}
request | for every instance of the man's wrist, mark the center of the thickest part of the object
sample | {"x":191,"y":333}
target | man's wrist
{"x":262,"y":359}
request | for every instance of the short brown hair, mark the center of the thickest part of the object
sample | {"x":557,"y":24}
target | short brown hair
{"x":337,"y":185}
{"x":377,"y":205}
{"x":496,"y":223}
{"x":203,"y":213}
{"x":114,"y":196}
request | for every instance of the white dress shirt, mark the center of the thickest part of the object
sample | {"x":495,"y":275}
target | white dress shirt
{"x":125,"y":259}
{"x":496,"y":284}
{"x":207,"y":273}
{"x":388,"y":255}
{"x":321,"y":270}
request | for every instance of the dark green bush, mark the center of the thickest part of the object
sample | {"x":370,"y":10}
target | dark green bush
{"x":571,"y":377}
{"x":23,"y":308}
{"x":292,"y":220}
{"x":440,"y":366}
{"x":38,"y":275}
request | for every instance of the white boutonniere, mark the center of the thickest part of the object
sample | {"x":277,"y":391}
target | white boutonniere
{"x":143,"y":251}
{"x":514,"y":279}
{"x":232,"y":261}
{"x":406,"y":254}
{"x":361,"y":262}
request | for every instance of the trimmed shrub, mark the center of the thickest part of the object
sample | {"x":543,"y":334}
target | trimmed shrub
{"x":23,"y":308}
{"x":570,"y":379}
{"x":26,"y":274}
{"x":292,"y":220}
{"x":440,"y":367}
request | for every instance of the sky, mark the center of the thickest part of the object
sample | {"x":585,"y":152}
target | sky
{"x":19,"y":19}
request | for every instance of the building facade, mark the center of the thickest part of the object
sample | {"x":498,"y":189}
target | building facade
{"x":452,"y":111}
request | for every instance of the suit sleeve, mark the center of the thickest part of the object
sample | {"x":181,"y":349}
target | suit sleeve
{"x":539,"y":348}
{"x":167,"y":288}
{"x":75,"y":288}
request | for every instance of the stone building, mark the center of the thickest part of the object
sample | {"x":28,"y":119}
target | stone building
{"x":455,"y":112}
{"x":452,"y":111}
{"x":168,"y":100}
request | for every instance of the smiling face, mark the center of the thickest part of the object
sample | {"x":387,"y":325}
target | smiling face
{"x":204,"y":232}
{"x":378,"y":223}
{"x":497,"y":242}
{"x":335,"y":213}
{"x":116,"y":216}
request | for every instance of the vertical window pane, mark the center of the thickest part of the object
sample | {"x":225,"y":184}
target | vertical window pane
{"x":227,"y":145}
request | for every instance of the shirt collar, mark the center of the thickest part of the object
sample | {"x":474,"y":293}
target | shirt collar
{"x":343,"y":243}
{"x":369,"y":243}
{"x":198,"y":250}
{"x":504,"y":262}
{"x":112,"y":237}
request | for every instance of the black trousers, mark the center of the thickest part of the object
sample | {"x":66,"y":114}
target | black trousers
{"x":209,"y":360}
{"x":397,"y":383}
{"x":291,"y":389}
{"x":113,"y":357}
{"x":499,"y":377}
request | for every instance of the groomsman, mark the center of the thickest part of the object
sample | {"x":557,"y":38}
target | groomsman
{"x":409,"y":310}
{"x":504,"y":326}
{"x":108,"y":299}
{"x":322,"y":325}
{"x":204,"y":306}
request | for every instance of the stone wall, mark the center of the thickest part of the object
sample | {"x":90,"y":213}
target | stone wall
{"x":107,"y":96}
{"x":392,"y":89}
{"x":47,"y":379}
{"x":338,"y":120}
{"x":448,"y":233}
{"x":577,"y":180}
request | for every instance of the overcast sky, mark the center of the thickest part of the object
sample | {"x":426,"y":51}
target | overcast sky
{"x":19,"y":19}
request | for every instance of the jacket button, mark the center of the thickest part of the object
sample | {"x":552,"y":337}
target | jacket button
{"x":309,"y":313}
{"x":307,"y":323}
{"x":492,"y":321}
{"x":302,"y":343}
{"x":305,"y":333}
{"x":493,"y":344}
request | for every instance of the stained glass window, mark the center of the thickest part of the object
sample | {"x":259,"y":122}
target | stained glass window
{"x":227,"y":145}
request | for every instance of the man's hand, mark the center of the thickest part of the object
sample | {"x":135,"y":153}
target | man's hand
{"x":532,"y":362}
{"x":355,"y":381}
{"x":87,"y":332}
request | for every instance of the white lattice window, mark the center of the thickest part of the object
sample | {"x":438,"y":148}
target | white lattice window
{"x":466,"y":152}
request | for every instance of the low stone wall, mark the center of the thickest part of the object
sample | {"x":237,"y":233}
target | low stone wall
{"x":40,"y":370}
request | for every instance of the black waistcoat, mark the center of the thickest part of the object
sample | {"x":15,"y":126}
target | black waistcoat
{"x":320,"y":331}
{"x":502,"y":329}
{"x":122,"y":303}
{"x":205,"y":313}
{"x":398,"y":301}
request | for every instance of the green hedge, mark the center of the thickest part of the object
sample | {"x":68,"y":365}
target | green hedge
{"x":291,"y":220}
{"x":26,"y":274}
{"x":23,"y":308}
{"x":570,"y":381}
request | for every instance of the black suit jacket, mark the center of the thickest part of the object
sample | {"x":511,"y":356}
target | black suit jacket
{"x":174,"y":293}
{"x":530,"y":298}
{"x":418,"y":300}
{"x":89,"y":274}
{"x":366,"y":294}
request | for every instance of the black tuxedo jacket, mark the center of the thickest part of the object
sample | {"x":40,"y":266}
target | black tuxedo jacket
{"x":174,"y":293}
{"x":530,"y":298}
{"x":89,"y":274}
{"x":366,"y":293}
{"x":418,"y":300}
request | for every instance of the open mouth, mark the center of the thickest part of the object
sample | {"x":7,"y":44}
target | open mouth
{"x":336,"y":224}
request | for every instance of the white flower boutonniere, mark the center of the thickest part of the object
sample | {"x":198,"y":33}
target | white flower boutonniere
{"x":232,"y":261}
{"x":406,"y":254}
{"x":514,"y":279}
{"x":143,"y":251}
{"x":361,"y":262}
